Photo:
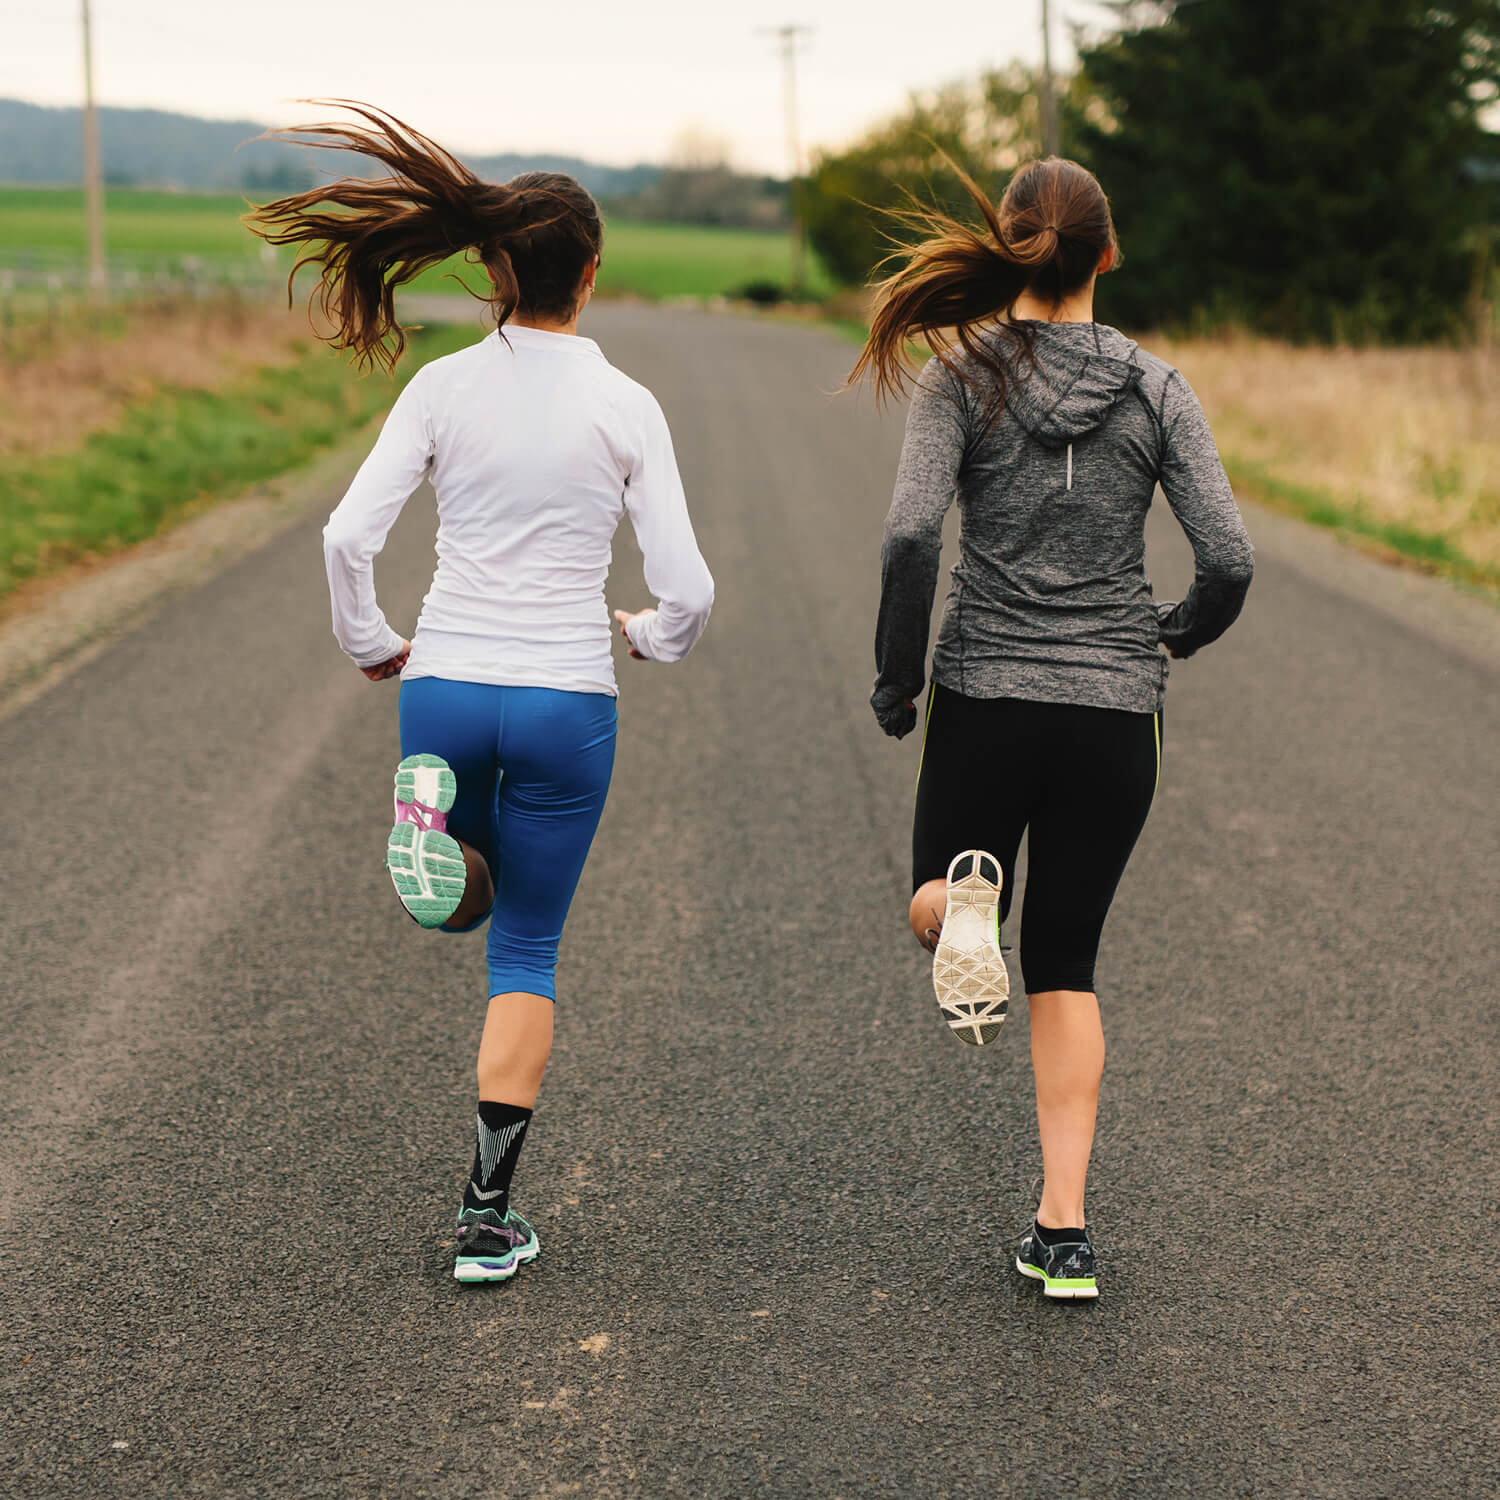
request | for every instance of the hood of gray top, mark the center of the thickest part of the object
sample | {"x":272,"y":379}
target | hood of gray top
{"x":1082,"y":371}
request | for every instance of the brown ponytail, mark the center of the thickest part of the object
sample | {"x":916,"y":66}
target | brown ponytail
{"x":536,"y":234}
{"x":1047,"y":236}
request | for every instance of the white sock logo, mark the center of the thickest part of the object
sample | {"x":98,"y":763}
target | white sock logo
{"x":493,"y":1144}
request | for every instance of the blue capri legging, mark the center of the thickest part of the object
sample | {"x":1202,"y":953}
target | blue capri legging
{"x":533,"y":767}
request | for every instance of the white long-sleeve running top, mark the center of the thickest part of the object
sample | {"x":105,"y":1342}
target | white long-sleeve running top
{"x":535,"y":445}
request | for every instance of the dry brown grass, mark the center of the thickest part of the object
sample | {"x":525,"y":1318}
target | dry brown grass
{"x":53,"y":393}
{"x":1403,"y":438}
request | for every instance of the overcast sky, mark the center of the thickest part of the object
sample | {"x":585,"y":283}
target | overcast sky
{"x":603,"y":79}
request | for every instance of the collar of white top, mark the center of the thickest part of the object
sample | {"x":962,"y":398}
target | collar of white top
{"x":545,"y":338}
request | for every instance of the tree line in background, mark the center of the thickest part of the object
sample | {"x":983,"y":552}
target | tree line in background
{"x":155,"y":148}
{"x":699,"y":185}
{"x":158,"y":149}
{"x":1309,"y":170}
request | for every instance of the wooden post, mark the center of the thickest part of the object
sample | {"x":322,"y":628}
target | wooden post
{"x":787,"y":36}
{"x":93,"y":179}
{"x":1051,"y":144}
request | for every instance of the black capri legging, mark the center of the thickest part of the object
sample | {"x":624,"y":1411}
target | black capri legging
{"x":1079,"y":779}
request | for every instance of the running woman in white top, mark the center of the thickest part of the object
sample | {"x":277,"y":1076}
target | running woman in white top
{"x":536,"y":446}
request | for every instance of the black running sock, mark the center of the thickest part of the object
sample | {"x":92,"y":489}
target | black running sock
{"x":499,"y":1133}
{"x":1059,"y":1236}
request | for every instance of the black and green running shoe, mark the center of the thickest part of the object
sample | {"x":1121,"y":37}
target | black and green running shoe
{"x":1065,"y":1270}
{"x":492,"y":1246}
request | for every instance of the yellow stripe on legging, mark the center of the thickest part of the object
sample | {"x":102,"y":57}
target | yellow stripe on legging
{"x":926,"y":725}
{"x":1156,"y":730}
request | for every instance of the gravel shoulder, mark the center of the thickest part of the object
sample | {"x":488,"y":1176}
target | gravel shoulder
{"x":55,"y":627}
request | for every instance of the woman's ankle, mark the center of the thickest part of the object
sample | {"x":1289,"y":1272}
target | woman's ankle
{"x":1060,"y":1213}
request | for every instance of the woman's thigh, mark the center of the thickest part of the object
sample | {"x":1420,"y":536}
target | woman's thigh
{"x":557,"y":754}
{"x":459,"y":721}
{"x":1104,"y":766}
{"x":976,"y":786}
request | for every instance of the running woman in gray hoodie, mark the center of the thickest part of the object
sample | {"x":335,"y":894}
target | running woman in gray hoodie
{"x":1044,"y":714}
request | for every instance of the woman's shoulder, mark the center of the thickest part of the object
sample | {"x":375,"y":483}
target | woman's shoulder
{"x":633,"y":401}
{"x":1156,"y":372}
{"x":445,"y":368}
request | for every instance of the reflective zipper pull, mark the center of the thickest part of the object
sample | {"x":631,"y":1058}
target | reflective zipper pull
{"x":1070,"y":466}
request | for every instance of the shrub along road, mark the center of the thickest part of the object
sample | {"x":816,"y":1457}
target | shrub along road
{"x":776,"y":1199}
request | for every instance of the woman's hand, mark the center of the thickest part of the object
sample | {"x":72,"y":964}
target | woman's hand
{"x":896,"y":715}
{"x":622,"y":618}
{"x":391,"y":668}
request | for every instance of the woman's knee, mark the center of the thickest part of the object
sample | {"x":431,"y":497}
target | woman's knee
{"x":1061,"y":972}
{"x":521,"y":965}
{"x":926,"y":913}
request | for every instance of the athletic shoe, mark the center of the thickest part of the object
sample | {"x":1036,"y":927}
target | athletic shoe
{"x":1065,"y":1270}
{"x":490,"y":1247}
{"x":968,"y":970}
{"x":426,"y":864}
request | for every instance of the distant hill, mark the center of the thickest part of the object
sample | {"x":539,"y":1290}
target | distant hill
{"x":153,"y":148}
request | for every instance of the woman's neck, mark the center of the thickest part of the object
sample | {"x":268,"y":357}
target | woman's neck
{"x":1079,"y":308}
{"x":546,"y":325}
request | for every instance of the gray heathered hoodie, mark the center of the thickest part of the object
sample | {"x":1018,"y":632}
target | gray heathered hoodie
{"x":1050,"y":599}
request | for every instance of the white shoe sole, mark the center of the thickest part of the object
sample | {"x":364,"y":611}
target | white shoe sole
{"x":1052,"y":1289}
{"x":968,"y":969}
{"x":426,"y":864}
{"x":495,"y":1267}
{"x":425,"y":781}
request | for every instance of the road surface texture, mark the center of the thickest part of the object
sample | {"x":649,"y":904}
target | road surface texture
{"x":777,"y":1200}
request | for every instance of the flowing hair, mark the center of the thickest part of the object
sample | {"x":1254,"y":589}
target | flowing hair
{"x":536,"y":235}
{"x":957,"y":285}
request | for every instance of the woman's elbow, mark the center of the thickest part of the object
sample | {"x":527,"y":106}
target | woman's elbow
{"x":908,"y":549}
{"x":696,"y":598}
{"x":341,"y":543}
{"x":1240,"y":569}
{"x":1228,"y":567}
{"x":701,"y":604}
{"x":681,"y":623}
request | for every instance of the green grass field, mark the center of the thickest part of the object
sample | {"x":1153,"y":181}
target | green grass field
{"x":157,"y":226}
{"x":152,"y":231}
{"x":180,"y":449}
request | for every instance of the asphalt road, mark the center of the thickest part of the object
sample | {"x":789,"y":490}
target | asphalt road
{"x":776,"y":1199}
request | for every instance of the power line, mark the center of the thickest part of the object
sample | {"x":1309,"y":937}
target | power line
{"x":787,"y":36}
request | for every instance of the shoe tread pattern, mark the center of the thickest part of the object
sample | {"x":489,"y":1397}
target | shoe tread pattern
{"x":427,"y":869}
{"x":968,"y":969}
{"x":426,"y":779}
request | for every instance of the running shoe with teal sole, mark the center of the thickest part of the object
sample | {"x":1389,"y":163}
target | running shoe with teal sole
{"x":1066,"y":1270}
{"x":968,"y":969}
{"x":492,"y":1247}
{"x":426,"y":864}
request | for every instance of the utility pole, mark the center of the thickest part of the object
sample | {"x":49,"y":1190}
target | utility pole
{"x":1051,"y":145}
{"x":93,"y":183}
{"x":787,"y":36}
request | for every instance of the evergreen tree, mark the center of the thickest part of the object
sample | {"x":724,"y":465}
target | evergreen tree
{"x":1303,"y":167}
{"x":989,"y":127}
